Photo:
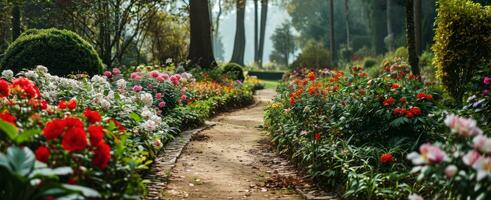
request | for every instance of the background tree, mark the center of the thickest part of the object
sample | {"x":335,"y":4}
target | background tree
{"x":262,"y":32}
{"x":200,"y":48}
{"x":283,"y":44}
{"x":411,"y":38}
{"x":240,"y":40}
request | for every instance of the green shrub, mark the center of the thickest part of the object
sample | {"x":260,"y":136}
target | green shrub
{"x":62,"y":51}
{"x":462,"y":42}
{"x":369,"y":62}
{"x":313,"y":55}
{"x":234,"y":71}
{"x":402,"y":52}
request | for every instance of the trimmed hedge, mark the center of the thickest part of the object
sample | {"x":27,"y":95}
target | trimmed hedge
{"x":272,"y":76}
{"x":62,"y":51}
{"x":462,"y":43}
{"x":234,"y":71}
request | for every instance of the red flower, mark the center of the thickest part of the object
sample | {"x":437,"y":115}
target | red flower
{"x":363,"y":74}
{"x":28,"y":88}
{"x":429,"y":97}
{"x":423,"y":96}
{"x":395,"y":86}
{"x":102,"y":155}
{"x":42,"y":154}
{"x":72,"y":104}
{"x":409,"y":115}
{"x":96,"y":134}
{"x":92,"y":116}
{"x":72,"y":181}
{"x":311,"y":75}
{"x":7,"y":117}
{"x":389,"y":101}
{"x":317,"y":136}
{"x":292,"y":101}
{"x":402,"y":100}
{"x":62,"y":104}
{"x":416,"y":111}
{"x":75,"y":139}
{"x":49,"y":198}
{"x":54,"y":129}
{"x":4,"y":88}
{"x":44,"y":104}
{"x":72,"y":122}
{"x":386,"y":158}
{"x":399,"y":111}
{"x":356,"y":68}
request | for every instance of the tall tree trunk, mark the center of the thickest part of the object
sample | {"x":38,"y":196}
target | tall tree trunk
{"x":256,"y":31}
{"x":332,"y":42}
{"x":262,"y":34}
{"x":411,"y":40}
{"x":216,"y":35}
{"x":348,"y":23}
{"x":390,"y":33}
{"x":417,"y":26}
{"x":16,"y":26}
{"x":200,"y":47}
{"x":239,"y":44}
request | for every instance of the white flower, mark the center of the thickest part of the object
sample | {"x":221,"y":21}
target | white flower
{"x":471,"y":157}
{"x":149,"y":125}
{"x":483,"y":168}
{"x":415,"y":197}
{"x":463,"y":126}
{"x":451,"y":170}
{"x":121,"y":84}
{"x":31,"y":75}
{"x":429,"y":154}
{"x":8,"y":74}
{"x":41,"y":69}
{"x":482,"y":143}
{"x":146,"y":98}
{"x":105,"y":104}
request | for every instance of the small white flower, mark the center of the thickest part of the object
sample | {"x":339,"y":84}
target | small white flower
{"x":31,"y":75}
{"x":483,"y":168}
{"x":146,"y":98}
{"x":8,"y":74}
{"x":41,"y":69}
{"x":415,"y":197}
{"x":105,"y":104}
{"x":482,"y":143}
{"x":451,"y":170}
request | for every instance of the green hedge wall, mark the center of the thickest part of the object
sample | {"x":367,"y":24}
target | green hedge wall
{"x":462,"y":43}
{"x":273,"y":76}
{"x":62,"y":52}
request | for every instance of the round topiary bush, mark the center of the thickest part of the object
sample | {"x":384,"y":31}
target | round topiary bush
{"x":234,"y":71}
{"x":62,"y":52}
{"x":369,"y":63}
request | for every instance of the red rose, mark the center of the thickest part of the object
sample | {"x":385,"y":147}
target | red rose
{"x":395,"y":86}
{"x":389,"y":101}
{"x":62,"y":104}
{"x":102,"y":155}
{"x":7,"y":117}
{"x":27,"y":86}
{"x":74,"y":139}
{"x":96,"y":134}
{"x":54,"y":129}
{"x":423,"y":96}
{"x":399,"y":111}
{"x":42,"y":154}
{"x":402,"y":100}
{"x":317,"y":136}
{"x":72,"y":122}
{"x":72,"y":181}
{"x":44,"y":104}
{"x":386,"y":158}
{"x":416,"y":111}
{"x":72,"y":104}
{"x":4,"y":88}
{"x":409,"y":115}
{"x":92,"y":116}
{"x":429,"y":97}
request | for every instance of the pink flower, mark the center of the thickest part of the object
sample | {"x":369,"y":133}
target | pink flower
{"x":150,"y":86}
{"x":429,"y":154}
{"x":183,"y":97}
{"x":158,"y":95}
{"x":116,"y":71}
{"x":162,"y":104}
{"x":451,"y":170}
{"x":471,"y":157}
{"x":485,"y":92}
{"x":482,"y":143}
{"x":463,"y":126}
{"x":137,"y":88}
{"x":415,"y":197}
{"x":483,"y":168}
{"x":154,"y":74}
{"x":487,"y":80}
{"x":108,"y":74}
{"x":157,"y":143}
{"x":175,"y":79}
{"x":135,"y":76}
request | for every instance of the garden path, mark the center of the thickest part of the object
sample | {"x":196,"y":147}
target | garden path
{"x":229,"y":160}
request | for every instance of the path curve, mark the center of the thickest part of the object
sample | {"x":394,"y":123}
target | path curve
{"x":225,"y":161}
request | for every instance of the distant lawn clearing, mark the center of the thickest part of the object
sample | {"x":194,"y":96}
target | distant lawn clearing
{"x":268,"y":84}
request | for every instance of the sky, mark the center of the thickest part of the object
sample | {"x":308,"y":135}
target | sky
{"x":276,"y":16}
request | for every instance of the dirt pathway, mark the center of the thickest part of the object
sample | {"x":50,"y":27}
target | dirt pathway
{"x":228,"y":160}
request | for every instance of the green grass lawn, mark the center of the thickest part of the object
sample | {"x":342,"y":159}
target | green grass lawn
{"x":270,"y":84}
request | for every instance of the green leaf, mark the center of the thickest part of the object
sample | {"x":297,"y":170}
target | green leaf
{"x":25,"y":136}
{"x":135,"y":117}
{"x":21,"y":160}
{"x":9,"y":129}
{"x":87,"y":192}
{"x":60,"y":171}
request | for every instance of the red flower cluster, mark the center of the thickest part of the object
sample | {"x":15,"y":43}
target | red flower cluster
{"x":311,"y":75}
{"x":74,"y":139}
{"x":72,"y":104}
{"x":4,"y":88}
{"x":409,"y":113}
{"x":317,"y":136}
{"x":395,"y":86}
{"x":92,"y":116}
{"x":102,"y":155}
{"x":423,"y":96}
{"x":7,"y":117}
{"x":25,"y":88}
{"x":389,"y":101}
{"x":386,"y":158}
{"x":42,"y":154}
{"x":356,"y":68}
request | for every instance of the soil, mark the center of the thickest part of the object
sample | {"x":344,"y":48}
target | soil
{"x":232,"y":161}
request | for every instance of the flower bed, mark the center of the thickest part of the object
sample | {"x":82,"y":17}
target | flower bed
{"x":94,"y":137}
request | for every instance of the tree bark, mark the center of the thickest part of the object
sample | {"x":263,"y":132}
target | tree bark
{"x":262,"y":34}
{"x":239,"y":43}
{"x":256,"y":30}
{"x":332,"y":42}
{"x":348,"y":24}
{"x":16,"y":26}
{"x":200,"y":48}
{"x":390,"y":33}
{"x":418,"y":25}
{"x":411,"y":40}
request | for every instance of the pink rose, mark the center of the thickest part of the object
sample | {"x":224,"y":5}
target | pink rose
{"x":108,"y":74}
{"x":487,"y":80}
{"x":162,"y":104}
{"x":137,"y":88}
{"x":116,"y":71}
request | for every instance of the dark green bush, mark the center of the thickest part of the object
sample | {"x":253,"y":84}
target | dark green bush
{"x":369,"y":63}
{"x":314,"y":55}
{"x":234,"y":71}
{"x":462,"y":43}
{"x":62,"y":51}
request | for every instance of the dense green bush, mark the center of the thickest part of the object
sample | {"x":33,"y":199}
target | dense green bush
{"x":62,"y":51}
{"x":234,"y":71}
{"x":369,"y":63}
{"x":462,"y":43}
{"x":314,"y":55}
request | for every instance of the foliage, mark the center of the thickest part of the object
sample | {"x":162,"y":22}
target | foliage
{"x":369,"y":63}
{"x":313,"y":55}
{"x":462,"y":43}
{"x":283,"y":44}
{"x":234,"y":71}
{"x":40,"y":47}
